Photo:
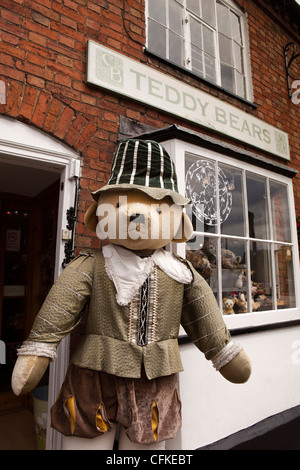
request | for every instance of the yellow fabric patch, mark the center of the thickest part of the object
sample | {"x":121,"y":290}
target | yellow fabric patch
{"x":71,"y":409}
{"x":154,"y":419}
{"x":101,"y":424}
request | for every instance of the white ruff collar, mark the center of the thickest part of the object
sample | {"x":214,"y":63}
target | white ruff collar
{"x":128,"y":271}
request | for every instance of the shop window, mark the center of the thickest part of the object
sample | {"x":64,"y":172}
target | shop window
{"x":208,"y":38}
{"x":245,"y":239}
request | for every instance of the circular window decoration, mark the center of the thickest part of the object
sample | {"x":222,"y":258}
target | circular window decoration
{"x":201,"y":189}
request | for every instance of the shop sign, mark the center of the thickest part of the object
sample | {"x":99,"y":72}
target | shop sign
{"x":115,"y":72}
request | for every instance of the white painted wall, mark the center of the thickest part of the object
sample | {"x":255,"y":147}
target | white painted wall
{"x":213,"y":408}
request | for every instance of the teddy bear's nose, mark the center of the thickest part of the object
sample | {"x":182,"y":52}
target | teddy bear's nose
{"x":137,"y":218}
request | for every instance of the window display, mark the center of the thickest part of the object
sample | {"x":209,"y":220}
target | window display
{"x":242,"y":244}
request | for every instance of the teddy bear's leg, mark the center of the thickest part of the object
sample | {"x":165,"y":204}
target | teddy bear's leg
{"x":126,"y":444}
{"x":104,"y":442}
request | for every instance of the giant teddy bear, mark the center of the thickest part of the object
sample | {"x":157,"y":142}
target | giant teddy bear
{"x":125,"y":369}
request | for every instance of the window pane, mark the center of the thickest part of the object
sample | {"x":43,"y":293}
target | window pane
{"x":234,"y":281}
{"x":261,"y":276}
{"x":157,"y":38}
{"x":257,"y":207}
{"x":208,"y":12}
{"x":225,"y":48}
{"x":194,"y":6}
{"x":285,"y":277}
{"x":208,"y":41}
{"x":197,"y":61}
{"x":223,"y":19}
{"x":175,"y":48}
{"x":196,"y":33}
{"x":227,"y":78}
{"x":210,"y":68}
{"x":238,"y":61}
{"x":240,"y":84}
{"x":202,"y":253}
{"x":232,"y":184}
{"x":157,"y":10}
{"x":201,"y":191}
{"x":280,"y":212}
{"x":236,"y":27}
{"x":175,"y":16}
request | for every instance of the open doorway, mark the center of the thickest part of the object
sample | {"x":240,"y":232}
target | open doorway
{"x":29,"y":204}
{"x":38,"y":186}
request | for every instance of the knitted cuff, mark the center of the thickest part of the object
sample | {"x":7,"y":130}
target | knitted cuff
{"x":226,"y":355}
{"x":32,"y":348}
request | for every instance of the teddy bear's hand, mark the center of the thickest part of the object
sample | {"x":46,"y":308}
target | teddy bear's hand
{"x":27,"y":373}
{"x":238,"y":370}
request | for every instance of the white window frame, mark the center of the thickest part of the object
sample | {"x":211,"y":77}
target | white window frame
{"x":178,"y":150}
{"x":187,"y":61}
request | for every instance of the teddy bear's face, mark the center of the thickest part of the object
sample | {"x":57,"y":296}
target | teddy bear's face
{"x":136,"y":221}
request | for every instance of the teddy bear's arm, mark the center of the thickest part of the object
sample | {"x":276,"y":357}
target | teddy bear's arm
{"x":204,"y":324}
{"x":58,"y":315}
{"x":61,"y":310}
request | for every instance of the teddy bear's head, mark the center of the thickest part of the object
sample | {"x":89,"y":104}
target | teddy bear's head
{"x":140,"y":207}
{"x":228,"y":306}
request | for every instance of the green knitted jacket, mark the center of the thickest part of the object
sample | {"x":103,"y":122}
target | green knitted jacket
{"x":118,"y":339}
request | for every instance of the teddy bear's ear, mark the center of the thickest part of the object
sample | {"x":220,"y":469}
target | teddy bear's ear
{"x":90,"y":218}
{"x":185,"y":230}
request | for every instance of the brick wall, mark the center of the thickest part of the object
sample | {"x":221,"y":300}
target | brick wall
{"x":43,"y":64}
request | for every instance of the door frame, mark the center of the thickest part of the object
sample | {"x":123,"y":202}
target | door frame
{"x":21,"y":144}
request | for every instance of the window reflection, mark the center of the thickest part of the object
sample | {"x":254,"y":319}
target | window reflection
{"x":257,"y":207}
{"x":285,"y":285}
{"x":234,"y":276}
{"x":261,"y":278}
{"x":202,"y":253}
{"x":235,"y":223}
{"x":280,"y":212}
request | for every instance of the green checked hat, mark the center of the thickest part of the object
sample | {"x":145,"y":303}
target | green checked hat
{"x":146,"y":166}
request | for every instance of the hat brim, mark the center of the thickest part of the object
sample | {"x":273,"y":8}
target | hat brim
{"x":156,"y":193}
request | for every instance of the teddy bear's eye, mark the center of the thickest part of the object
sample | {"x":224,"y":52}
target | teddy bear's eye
{"x":118,"y":205}
{"x":159,"y":211}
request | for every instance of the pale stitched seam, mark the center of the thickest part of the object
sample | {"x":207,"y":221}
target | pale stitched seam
{"x":130,"y":321}
{"x":81,"y":272}
{"x":38,"y":335}
{"x":71,"y":290}
{"x":210,"y":334}
{"x":154,"y":312}
{"x":52,"y":324}
{"x":58,"y":307}
{"x":193,"y":285}
{"x":198,"y":298}
{"x":200,"y":318}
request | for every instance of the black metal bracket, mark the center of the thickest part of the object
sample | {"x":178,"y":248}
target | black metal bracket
{"x":289,"y":61}
{"x":71,"y":218}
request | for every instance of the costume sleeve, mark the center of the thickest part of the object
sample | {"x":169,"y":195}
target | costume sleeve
{"x":204,"y":324}
{"x":61,"y":310}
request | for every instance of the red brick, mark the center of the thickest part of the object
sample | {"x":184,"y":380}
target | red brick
{"x":41,"y":109}
{"x":9,"y":16}
{"x":37,"y":38}
{"x":64,"y":123}
{"x":85,"y":136}
{"x":41,"y":19}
